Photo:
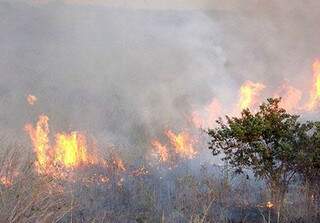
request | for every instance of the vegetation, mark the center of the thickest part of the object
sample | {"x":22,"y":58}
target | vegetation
{"x":272,"y":144}
{"x":308,"y":163}
{"x":275,"y":157}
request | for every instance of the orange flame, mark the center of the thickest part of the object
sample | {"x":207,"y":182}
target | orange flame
{"x":269,"y":204}
{"x":208,"y":116}
{"x":290,"y":97}
{"x":31,"y":99}
{"x":314,"y":98}
{"x":40,"y":141}
{"x":119,"y":164}
{"x":104,"y":179}
{"x":182,"y":143}
{"x":69,"y":150}
{"x":249,"y":93}
{"x":5,"y":181}
{"x":160,"y":150}
{"x":142,"y":171}
{"x":197,"y":119}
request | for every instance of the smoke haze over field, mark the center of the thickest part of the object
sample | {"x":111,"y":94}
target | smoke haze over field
{"x":126,"y":72}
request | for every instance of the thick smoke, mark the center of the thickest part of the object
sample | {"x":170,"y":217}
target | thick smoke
{"x":125,"y":75}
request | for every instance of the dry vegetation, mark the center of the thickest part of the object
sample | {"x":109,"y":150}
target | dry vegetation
{"x":210,"y":194}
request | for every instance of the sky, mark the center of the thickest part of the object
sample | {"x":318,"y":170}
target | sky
{"x":125,"y":71}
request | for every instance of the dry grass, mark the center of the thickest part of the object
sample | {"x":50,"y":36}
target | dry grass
{"x":176,"y":196}
{"x":28,"y":197}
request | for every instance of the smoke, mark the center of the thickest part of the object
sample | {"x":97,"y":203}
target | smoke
{"x":126,"y":74}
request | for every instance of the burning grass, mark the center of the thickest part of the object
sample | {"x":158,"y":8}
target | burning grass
{"x":28,"y":197}
{"x":69,"y":151}
{"x":122,"y":192}
{"x":66,"y":178}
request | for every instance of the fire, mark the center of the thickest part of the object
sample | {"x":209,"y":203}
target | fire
{"x":5,"y":181}
{"x":269,"y":204}
{"x":314,"y":98}
{"x":182,"y":143}
{"x":249,"y":93}
{"x":213,"y":110}
{"x":119,"y":164}
{"x":120,"y":182}
{"x":142,"y":171}
{"x":31,"y":99}
{"x":40,"y":141}
{"x":197,"y":119}
{"x":71,"y":149}
{"x":68,"y":151}
{"x":290,"y":97}
{"x":104,"y":179}
{"x":207,"y":117}
{"x":160,"y":150}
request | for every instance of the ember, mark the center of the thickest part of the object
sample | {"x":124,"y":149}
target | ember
{"x":31,"y":99}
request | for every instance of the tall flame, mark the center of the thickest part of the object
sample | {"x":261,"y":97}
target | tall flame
{"x":68,"y":151}
{"x":249,"y":93}
{"x":314,"y":98}
{"x":182,"y":143}
{"x":40,"y":141}
{"x":71,"y":149}
{"x":290,"y":97}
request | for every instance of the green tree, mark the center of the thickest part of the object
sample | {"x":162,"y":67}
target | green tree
{"x":264,"y":142}
{"x":308,"y":163}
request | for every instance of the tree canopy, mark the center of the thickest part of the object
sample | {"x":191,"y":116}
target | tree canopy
{"x":275,"y":145}
{"x":263,"y":141}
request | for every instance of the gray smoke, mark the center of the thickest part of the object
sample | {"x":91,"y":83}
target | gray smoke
{"x":125,"y":75}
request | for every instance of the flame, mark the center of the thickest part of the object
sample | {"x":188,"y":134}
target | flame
{"x":207,"y":117}
{"x":71,"y":149}
{"x":31,"y":99}
{"x":182,"y":143}
{"x":314,"y":97}
{"x":249,"y":93}
{"x":119,"y":164}
{"x":142,"y":171}
{"x":104,"y":179}
{"x":120,"y":182}
{"x":40,"y":141}
{"x":8,"y":173}
{"x":5,"y":181}
{"x":290,"y":97}
{"x":68,"y":151}
{"x":160,"y":150}
{"x":197,"y":119}
{"x":269,"y":204}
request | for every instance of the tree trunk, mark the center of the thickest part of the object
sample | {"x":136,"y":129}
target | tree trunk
{"x":308,"y":195}
{"x":277,"y":196}
{"x":312,"y":198}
